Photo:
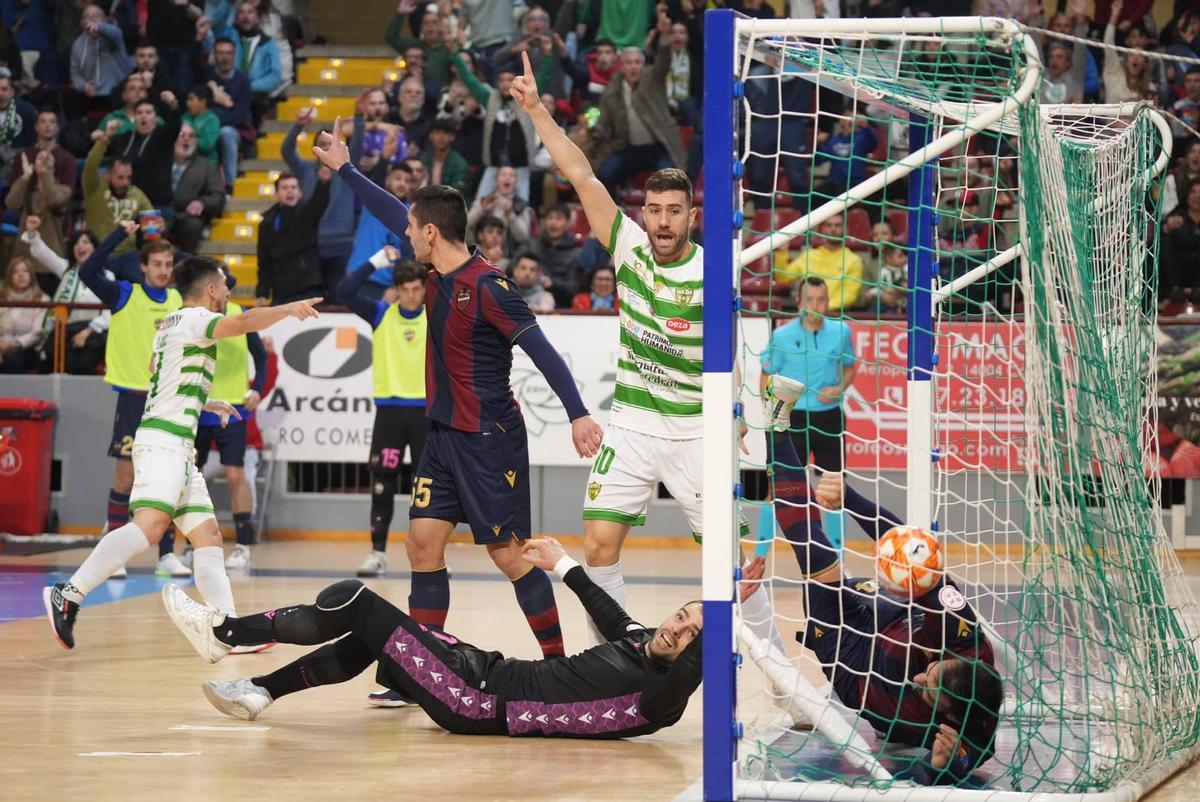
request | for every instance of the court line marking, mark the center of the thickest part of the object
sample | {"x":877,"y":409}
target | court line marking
{"x":217,"y":728}
{"x":139,"y":754}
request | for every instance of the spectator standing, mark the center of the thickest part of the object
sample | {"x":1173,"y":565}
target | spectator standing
{"x":636,"y":131}
{"x":601,"y":292}
{"x":87,"y":329}
{"x":1127,"y":78}
{"x":847,"y":151}
{"x":150,"y":148}
{"x":204,"y":123}
{"x":133,"y":92}
{"x":113,"y":199}
{"x":508,"y":137}
{"x":271,"y":24}
{"x":18,"y":119}
{"x":372,"y":107}
{"x":1062,"y":81}
{"x":372,"y":236}
{"x":491,"y":24}
{"x":443,"y":164}
{"x":197,"y":196}
{"x":398,"y":364}
{"x":558,"y":254}
{"x":231,"y":103}
{"x":545,"y":46}
{"x":38,"y":193}
{"x":839,"y":268}
{"x":510,"y":207}
{"x":171,"y":26}
{"x":432,"y":39}
{"x":145,"y":61}
{"x":289,"y":266}
{"x":625,"y":23}
{"x":1180,"y":181}
{"x":256,"y":57}
{"x":1187,"y":107}
{"x":46,"y":132}
{"x":99,"y":61}
{"x":526,"y":273}
{"x":816,"y":351}
{"x":21,"y":332}
{"x":1179,"y":277}
{"x":411,"y":114}
{"x":29,"y":23}
{"x":602,"y":65}
{"x":684,"y":77}
{"x":335,"y":232}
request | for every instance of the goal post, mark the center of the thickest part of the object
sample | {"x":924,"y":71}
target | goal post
{"x":1015,"y":421}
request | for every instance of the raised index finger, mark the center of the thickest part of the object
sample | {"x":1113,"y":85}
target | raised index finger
{"x":337,"y":128}
{"x":528,"y":66}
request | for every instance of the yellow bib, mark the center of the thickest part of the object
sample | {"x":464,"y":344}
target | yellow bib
{"x":232,"y":378}
{"x":131,"y":338}
{"x":398,"y":355}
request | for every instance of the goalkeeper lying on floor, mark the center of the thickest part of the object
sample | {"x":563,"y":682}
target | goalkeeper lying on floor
{"x":921,"y":672}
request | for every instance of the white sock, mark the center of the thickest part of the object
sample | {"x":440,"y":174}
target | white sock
{"x":610,"y":579}
{"x":208,"y":569}
{"x":758,"y":615}
{"x":114,"y":550}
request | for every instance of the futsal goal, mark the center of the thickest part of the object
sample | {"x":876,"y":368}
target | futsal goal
{"x":996,"y":261}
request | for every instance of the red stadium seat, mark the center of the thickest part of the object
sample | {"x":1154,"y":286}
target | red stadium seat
{"x":858,"y":230}
{"x":899,"y":220}
{"x":580,"y":224}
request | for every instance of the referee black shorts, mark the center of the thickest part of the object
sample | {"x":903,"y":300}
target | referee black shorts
{"x":820,"y":434}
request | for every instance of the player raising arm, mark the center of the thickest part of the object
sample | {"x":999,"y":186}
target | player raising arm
{"x":475,"y":464}
{"x":167,"y":485}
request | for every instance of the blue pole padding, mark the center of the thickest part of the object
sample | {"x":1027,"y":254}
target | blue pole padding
{"x":922,"y":242}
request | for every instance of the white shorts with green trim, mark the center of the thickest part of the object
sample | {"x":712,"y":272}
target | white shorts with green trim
{"x":626,"y":473}
{"x":166,"y":479}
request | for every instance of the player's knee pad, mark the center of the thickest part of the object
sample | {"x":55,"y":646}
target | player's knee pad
{"x":341,"y":594}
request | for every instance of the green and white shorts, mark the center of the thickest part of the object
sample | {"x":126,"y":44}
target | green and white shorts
{"x":166,"y":478}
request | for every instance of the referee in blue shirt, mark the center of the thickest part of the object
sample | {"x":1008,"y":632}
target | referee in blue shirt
{"x":816,"y":351}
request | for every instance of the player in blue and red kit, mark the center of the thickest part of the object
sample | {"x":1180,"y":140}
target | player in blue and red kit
{"x":475,"y":465}
{"x":921,"y":672}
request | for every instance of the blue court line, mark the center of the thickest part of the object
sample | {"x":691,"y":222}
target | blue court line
{"x":21,"y":585}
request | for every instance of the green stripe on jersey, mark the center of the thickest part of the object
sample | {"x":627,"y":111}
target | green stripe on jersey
{"x":637,"y":397}
{"x":661,"y":307}
{"x":193,"y":390}
{"x":688,"y":367}
{"x":195,"y":350}
{"x":192,"y":413}
{"x":212,"y":325}
{"x":197,"y":369}
{"x":612,"y":235}
{"x":186,"y":432}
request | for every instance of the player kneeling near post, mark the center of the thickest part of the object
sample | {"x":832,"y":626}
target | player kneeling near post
{"x":917,"y":667}
{"x":637,"y":683}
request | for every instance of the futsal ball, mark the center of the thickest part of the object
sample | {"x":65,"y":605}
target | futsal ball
{"x":909,"y":560}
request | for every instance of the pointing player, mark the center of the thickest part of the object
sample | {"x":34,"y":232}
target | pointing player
{"x":167,"y":485}
{"x":921,"y":672}
{"x":475,"y":465}
{"x":636,"y":683}
{"x":655,"y":427}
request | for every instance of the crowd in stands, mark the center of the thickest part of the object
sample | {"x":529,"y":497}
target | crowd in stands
{"x":115,"y":111}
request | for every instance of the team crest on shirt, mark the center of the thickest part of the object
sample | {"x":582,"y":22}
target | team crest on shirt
{"x":683,"y":295}
{"x":593,"y":490}
{"x":409,"y":334}
{"x":463,"y":297}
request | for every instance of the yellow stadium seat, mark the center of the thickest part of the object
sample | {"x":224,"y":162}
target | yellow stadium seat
{"x":229,"y":230}
{"x":256,"y":185}
{"x":326,"y":107}
{"x":349,"y":72}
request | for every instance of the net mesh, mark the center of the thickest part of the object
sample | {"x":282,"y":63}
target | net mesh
{"x":1041,"y":226}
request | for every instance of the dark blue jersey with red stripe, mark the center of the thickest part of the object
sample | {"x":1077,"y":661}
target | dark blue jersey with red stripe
{"x":476,"y":315}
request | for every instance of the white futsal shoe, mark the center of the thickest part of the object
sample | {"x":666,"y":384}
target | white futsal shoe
{"x":375,"y":564}
{"x":781,"y":395}
{"x":169,"y":565}
{"x":196,"y":622}
{"x":238,"y":559}
{"x":239,"y":698}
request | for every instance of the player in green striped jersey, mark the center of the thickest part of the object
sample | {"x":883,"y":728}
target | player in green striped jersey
{"x":167,"y":485}
{"x":655,"y":429}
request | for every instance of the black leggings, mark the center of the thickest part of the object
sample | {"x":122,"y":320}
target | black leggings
{"x":443,"y":675}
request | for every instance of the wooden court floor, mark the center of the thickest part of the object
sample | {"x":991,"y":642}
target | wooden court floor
{"x":122,"y":717}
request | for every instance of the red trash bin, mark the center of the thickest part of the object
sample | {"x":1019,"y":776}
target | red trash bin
{"x":26,"y":451}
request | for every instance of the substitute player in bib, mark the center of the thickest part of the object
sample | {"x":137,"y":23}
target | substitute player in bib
{"x":655,"y":429}
{"x":398,"y":367}
{"x":167,"y":485}
{"x":137,"y":309}
{"x":920,"y":671}
{"x":475,"y":466}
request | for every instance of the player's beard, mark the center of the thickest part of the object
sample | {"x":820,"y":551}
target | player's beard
{"x":672,"y":252}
